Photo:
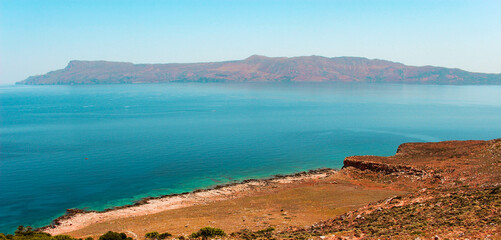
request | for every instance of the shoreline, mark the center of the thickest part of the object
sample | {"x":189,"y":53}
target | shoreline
{"x":75,"y":219}
{"x":352,"y":202}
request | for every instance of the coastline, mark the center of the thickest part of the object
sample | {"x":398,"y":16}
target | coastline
{"x":353,"y":202}
{"x":75,"y":219}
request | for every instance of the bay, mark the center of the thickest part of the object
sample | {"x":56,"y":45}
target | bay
{"x":101,"y":146}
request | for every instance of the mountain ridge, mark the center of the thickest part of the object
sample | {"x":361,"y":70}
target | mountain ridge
{"x":258,"y":68}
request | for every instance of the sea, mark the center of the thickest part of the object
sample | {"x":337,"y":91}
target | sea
{"x":98,"y":146}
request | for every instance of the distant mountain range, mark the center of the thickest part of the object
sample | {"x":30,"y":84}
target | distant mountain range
{"x":261,"y":69}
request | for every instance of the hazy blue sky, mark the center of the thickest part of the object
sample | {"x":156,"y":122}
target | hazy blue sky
{"x":43,"y":35}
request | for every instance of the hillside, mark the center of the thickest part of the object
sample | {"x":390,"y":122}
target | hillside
{"x":455,"y":194}
{"x":260,"y":69}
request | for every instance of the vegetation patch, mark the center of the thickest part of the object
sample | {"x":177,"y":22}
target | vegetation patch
{"x":208,"y":232}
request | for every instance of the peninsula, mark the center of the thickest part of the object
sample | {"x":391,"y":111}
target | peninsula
{"x":261,"y":69}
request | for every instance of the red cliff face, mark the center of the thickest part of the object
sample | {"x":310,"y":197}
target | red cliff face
{"x":449,"y":163}
{"x":261,"y":69}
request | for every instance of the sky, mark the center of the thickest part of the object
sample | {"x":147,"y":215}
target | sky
{"x":37,"y":36}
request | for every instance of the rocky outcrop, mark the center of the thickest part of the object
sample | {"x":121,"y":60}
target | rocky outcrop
{"x":381,"y":167}
{"x":451,"y":163}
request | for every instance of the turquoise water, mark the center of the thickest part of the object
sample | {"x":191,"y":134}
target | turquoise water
{"x":100,"y":146}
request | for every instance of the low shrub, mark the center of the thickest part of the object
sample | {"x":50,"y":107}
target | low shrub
{"x":114,"y":236}
{"x":164,"y":235}
{"x":156,"y":235}
{"x":152,"y":235}
{"x":269,"y":229}
{"x":207,"y":232}
{"x":27,"y":233}
{"x":62,"y":237}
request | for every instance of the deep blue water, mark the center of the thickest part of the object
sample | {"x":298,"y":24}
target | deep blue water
{"x":100,"y":146}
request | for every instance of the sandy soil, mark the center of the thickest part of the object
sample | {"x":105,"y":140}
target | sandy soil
{"x":205,"y":197}
{"x":299,"y":199}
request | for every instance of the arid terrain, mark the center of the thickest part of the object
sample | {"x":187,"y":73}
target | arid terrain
{"x":426,"y":190}
{"x":260,"y":69}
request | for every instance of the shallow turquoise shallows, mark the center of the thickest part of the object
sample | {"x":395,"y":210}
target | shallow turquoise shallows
{"x":101,"y":146}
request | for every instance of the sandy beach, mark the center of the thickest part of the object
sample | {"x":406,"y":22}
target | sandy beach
{"x":78,"y":219}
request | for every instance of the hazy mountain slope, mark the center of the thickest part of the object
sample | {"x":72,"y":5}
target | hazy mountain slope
{"x":261,"y":69}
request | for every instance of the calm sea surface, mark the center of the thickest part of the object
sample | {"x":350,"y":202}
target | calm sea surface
{"x":100,"y":146}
